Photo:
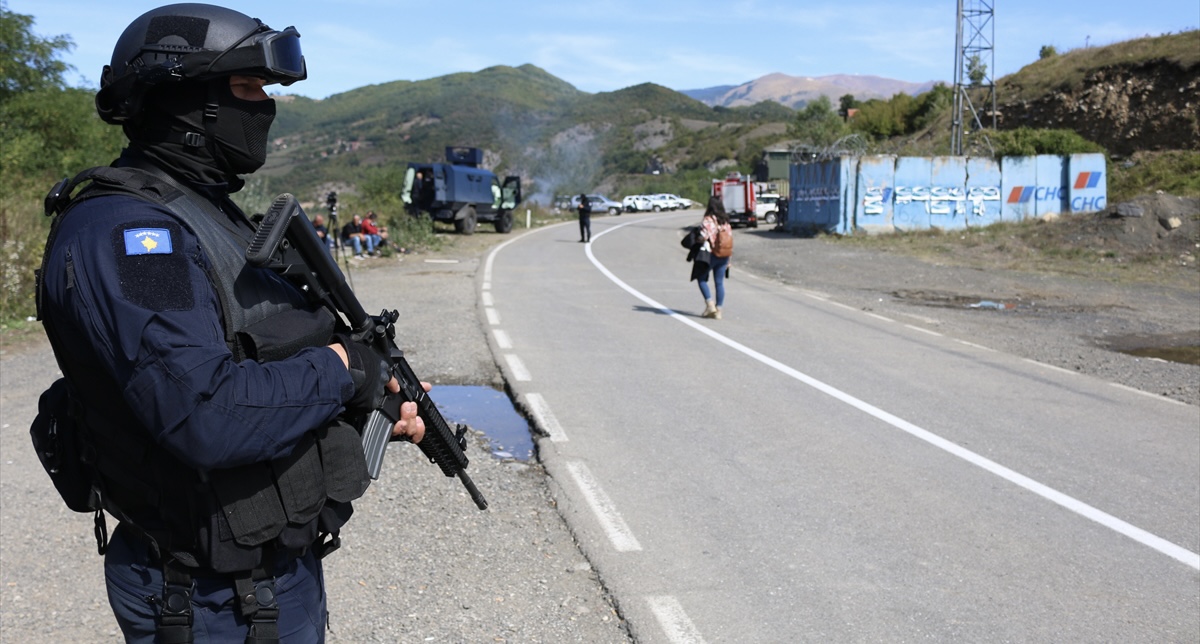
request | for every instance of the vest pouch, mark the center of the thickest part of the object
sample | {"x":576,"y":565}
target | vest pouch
{"x":301,"y":482}
{"x":345,"y":465}
{"x":58,"y":441}
{"x":249,"y":502}
{"x":285,"y":333}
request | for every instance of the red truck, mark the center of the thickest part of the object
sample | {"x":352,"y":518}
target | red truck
{"x":736,"y":193}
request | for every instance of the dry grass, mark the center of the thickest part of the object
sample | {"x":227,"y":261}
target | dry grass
{"x":1068,"y":69}
{"x":1120,"y":250}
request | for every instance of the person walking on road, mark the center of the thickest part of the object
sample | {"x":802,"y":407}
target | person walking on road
{"x":215,"y":403}
{"x":717,"y":236}
{"x":585,"y":219}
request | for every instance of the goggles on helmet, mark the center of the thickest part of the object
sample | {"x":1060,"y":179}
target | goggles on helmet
{"x":274,"y":55}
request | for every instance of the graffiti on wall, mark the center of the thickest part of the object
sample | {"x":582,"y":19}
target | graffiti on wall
{"x":888,"y":192}
{"x":938,"y":200}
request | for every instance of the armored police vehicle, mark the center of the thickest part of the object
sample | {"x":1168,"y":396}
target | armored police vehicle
{"x":462,"y":192}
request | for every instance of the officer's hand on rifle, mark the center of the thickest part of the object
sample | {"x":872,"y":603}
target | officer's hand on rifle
{"x":368,"y":371}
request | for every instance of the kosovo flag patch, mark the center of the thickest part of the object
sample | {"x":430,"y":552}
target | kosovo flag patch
{"x":152,"y":275}
{"x":147,"y":241}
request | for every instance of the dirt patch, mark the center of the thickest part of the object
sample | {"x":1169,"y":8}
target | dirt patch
{"x":1132,"y":251}
{"x":1023,"y":302}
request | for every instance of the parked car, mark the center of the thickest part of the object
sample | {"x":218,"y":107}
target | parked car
{"x":637,"y":203}
{"x":599,"y":203}
{"x":562,"y":202}
{"x":685,"y":203}
{"x":664,"y":202}
{"x":766,"y":206}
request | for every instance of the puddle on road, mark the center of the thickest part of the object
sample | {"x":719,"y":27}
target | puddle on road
{"x":1185,"y":355}
{"x":490,"y":412}
{"x":1172,"y":347}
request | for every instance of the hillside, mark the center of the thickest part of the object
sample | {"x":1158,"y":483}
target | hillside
{"x":527,"y":121}
{"x":1132,"y":96}
{"x":1137,"y":96}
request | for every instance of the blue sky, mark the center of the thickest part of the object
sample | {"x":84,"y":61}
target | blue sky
{"x":605,"y":46}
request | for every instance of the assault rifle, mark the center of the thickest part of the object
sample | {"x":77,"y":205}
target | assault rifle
{"x":287,"y":243}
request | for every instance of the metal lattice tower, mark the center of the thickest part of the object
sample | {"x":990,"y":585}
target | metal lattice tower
{"x":974,"y":62}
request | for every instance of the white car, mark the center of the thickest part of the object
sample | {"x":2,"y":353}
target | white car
{"x":766,"y":206}
{"x":637,"y":203}
{"x":666,"y":202}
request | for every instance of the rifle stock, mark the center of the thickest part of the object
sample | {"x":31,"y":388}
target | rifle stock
{"x":285,"y":232}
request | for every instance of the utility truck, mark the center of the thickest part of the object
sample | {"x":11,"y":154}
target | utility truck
{"x":461,"y":192}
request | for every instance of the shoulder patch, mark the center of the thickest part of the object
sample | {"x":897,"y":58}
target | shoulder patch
{"x":152,"y":274}
{"x":148,"y":241}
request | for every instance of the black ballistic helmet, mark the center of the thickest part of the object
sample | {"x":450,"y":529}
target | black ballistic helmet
{"x":193,"y":41}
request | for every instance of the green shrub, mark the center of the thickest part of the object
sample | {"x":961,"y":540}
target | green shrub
{"x":1025,"y":141}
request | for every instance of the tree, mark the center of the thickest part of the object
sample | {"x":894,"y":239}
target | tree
{"x":1047,"y":51}
{"x":846,"y":103}
{"x":976,"y":70}
{"x":818,"y":124}
{"x":28,"y":62}
{"x":47,"y":131}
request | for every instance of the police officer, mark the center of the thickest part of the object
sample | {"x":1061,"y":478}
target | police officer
{"x":585,"y":218}
{"x":212,"y":396}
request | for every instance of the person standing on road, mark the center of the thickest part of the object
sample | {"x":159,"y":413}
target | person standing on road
{"x":585,"y":219}
{"x":214,"y":400}
{"x":717,"y":236}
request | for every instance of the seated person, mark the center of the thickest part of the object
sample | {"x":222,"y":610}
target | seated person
{"x":323,"y":232}
{"x":352,"y":234}
{"x":372,"y":233}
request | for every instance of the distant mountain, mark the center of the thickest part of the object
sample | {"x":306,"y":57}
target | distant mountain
{"x":526,"y":121}
{"x":797,"y":91}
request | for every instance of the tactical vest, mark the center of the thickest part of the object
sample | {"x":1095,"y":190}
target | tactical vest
{"x":226,"y":520}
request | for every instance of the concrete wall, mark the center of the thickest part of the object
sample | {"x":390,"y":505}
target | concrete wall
{"x":886,"y":193}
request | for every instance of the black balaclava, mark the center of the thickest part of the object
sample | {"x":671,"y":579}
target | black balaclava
{"x":178,"y":131}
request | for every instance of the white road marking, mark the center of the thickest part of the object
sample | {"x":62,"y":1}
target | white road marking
{"x":502,"y":339}
{"x":1050,"y":367}
{"x":606,"y":513}
{"x":675,"y":623}
{"x":1148,"y":394}
{"x":517,"y":367}
{"x":1070,"y":503}
{"x":491,"y":259}
{"x":917,"y":328}
{"x":487,"y":299}
{"x":545,"y":418}
{"x":976,"y":346}
{"x":493,"y":317}
{"x":879,"y":317}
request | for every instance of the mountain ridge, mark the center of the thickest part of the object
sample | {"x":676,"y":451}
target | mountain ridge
{"x":797,"y":91}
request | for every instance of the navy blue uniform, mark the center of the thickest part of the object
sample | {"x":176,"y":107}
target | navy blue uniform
{"x":155,"y":327}
{"x":128,"y":296}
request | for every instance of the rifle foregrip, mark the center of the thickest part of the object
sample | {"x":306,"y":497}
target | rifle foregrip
{"x":271,"y":229}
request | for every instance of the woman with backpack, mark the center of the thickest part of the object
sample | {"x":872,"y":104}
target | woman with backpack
{"x":717,"y":236}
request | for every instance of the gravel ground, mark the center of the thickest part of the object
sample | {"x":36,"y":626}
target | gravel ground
{"x":421,"y":564}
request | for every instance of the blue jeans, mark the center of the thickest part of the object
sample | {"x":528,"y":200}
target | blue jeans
{"x":717,"y":267}
{"x":135,"y":586}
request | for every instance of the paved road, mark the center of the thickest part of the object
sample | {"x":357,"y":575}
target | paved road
{"x":807,"y":471}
